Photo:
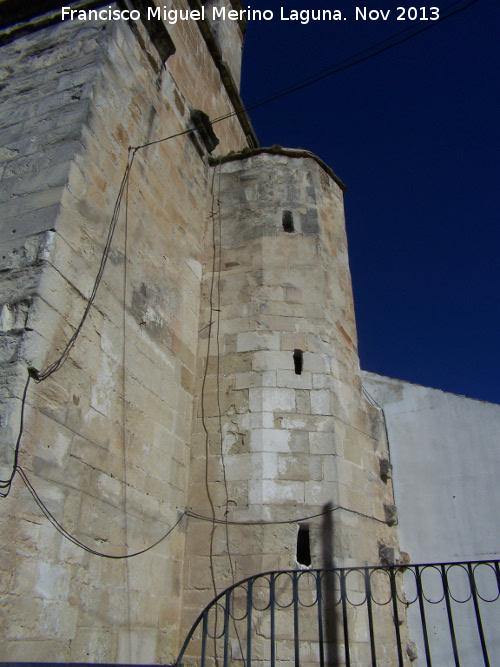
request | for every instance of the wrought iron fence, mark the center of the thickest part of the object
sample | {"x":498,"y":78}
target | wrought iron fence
{"x":439,"y":614}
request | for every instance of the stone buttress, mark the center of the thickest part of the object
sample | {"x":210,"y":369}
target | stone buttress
{"x":106,"y":438}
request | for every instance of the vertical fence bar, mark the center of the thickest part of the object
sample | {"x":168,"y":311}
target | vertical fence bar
{"x":204,"y":638}
{"x":216,"y":606}
{"x":444,"y":577}
{"x":249,"y":621}
{"x":420,"y":593}
{"x":394,"y":595}
{"x":368,"y":592}
{"x":343,"y":597}
{"x":272,"y":600}
{"x":296,"y":617}
{"x":472,"y":582}
{"x":320,"y":619}
{"x":226,"y":628}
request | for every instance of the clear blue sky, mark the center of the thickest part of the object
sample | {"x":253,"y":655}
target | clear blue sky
{"x":414,"y":134}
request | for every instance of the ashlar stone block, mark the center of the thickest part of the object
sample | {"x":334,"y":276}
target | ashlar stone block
{"x":270,"y":440}
{"x":258,"y":340}
{"x":269,"y":399}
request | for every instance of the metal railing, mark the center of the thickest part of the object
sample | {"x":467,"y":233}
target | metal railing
{"x":442,"y":613}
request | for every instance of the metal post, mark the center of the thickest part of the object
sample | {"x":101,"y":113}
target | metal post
{"x":343,"y":596}
{"x":249,"y":622}
{"x":473,"y":589}
{"x":204,"y":638}
{"x":320,"y":619}
{"x":444,"y":577}
{"x":296,"y":617}
{"x":420,"y":594}
{"x":226,"y":628}
{"x":272,"y":602}
{"x":394,"y":595}
{"x":368,"y":591}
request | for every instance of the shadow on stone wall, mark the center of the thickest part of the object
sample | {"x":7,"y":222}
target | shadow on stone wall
{"x":328,"y":587}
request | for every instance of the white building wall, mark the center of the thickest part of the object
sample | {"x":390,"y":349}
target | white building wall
{"x":445,"y":453}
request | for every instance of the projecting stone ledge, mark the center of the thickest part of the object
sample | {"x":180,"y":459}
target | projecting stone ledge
{"x":278,"y":150}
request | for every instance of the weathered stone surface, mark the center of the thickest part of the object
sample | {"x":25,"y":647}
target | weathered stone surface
{"x":105,"y":439}
{"x":308,"y":439}
{"x":181,"y":389}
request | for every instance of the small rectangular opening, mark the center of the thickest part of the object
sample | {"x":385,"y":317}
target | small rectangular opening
{"x":288,"y":222}
{"x":297,"y":361}
{"x":303,"y":546}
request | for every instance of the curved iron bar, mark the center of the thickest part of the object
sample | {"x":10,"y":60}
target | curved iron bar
{"x":324,"y":595}
{"x":290,"y":575}
{"x":452,"y":568}
{"x":248,"y":598}
{"x":376,"y":570}
{"x":325,"y":586}
{"x":495,"y":570}
{"x":208,"y":610}
{"x":313,"y":587}
{"x":408,"y":602}
{"x":352,"y":602}
{"x":437,"y":568}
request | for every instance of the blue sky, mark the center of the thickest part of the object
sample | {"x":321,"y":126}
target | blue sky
{"x":413,"y":132}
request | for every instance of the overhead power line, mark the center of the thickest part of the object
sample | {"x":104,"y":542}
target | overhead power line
{"x":359,"y":57}
{"x":355,"y":59}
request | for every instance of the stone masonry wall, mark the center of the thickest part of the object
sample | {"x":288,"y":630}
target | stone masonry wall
{"x":46,"y":90}
{"x":106,"y":438}
{"x":181,"y":389}
{"x":228,"y":34}
{"x":270,"y":444}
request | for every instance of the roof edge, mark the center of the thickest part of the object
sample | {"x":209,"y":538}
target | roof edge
{"x":279,"y":150}
{"x":226,"y":76}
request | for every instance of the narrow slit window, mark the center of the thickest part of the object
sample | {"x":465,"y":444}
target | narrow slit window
{"x":303,"y":546}
{"x":288,"y":222}
{"x":297,"y":361}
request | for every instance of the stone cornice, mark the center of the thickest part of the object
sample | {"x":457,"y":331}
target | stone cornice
{"x":278,"y":150}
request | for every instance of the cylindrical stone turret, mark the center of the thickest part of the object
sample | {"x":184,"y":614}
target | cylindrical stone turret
{"x":282,"y":430}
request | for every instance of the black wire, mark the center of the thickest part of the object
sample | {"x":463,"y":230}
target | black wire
{"x":354,"y":55}
{"x":7,"y":483}
{"x":326,"y":72}
{"x":56,"y":365}
{"x":77,"y":542}
{"x":345,"y":63}
{"x":195,"y":515}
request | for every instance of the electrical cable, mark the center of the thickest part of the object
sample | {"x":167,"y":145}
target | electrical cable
{"x":7,"y":483}
{"x":195,"y":515}
{"x":56,"y":365}
{"x":203,"y":385}
{"x":354,"y":55}
{"x":342,"y":65}
{"x":346,"y":62}
{"x":219,"y":409}
{"x":37,"y":376}
{"x":76,"y":541}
